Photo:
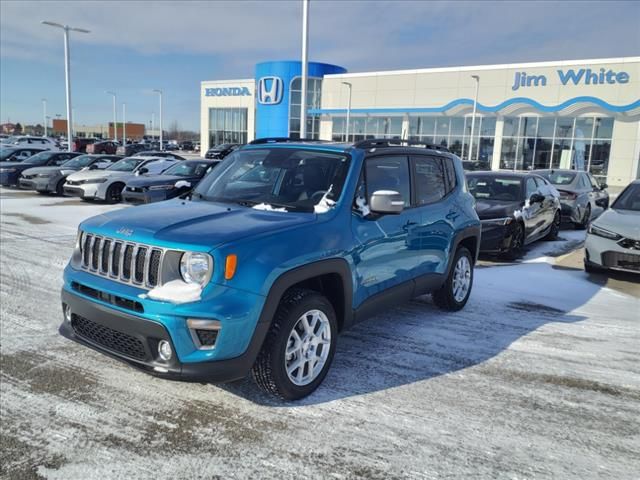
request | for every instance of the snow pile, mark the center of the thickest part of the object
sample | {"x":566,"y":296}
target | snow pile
{"x":269,"y":208}
{"x":175,"y":291}
{"x":182,"y":184}
{"x":361,"y":203}
{"x":324,"y":205}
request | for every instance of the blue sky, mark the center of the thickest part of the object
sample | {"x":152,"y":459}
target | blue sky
{"x":135,"y":47}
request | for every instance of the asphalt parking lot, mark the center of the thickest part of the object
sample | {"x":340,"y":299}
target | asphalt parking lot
{"x":537,"y":378}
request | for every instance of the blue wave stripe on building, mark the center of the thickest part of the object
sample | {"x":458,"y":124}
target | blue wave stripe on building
{"x":485,"y":108}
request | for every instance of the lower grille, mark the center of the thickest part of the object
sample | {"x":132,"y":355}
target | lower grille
{"x":116,"y":300}
{"x":207,"y":337}
{"x":108,"y":338}
{"x":621,"y":260}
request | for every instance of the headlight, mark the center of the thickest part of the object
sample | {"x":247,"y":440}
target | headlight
{"x":7,"y":170}
{"x":601,"y":232}
{"x":498,"y":221}
{"x":95,"y":180}
{"x":161,"y":187}
{"x":195,"y":267}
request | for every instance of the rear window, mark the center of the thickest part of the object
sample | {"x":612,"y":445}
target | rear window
{"x":560,"y":178}
{"x":507,"y":189}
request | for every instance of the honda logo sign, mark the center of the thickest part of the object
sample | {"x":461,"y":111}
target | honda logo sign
{"x":270,"y":90}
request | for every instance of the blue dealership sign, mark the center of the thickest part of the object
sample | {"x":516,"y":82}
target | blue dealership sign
{"x":227,"y":92}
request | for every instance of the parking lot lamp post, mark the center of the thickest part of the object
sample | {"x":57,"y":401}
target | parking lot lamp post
{"x":67,"y":72}
{"x":348,"y":109}
{"x":159,"y":92}
{"x":124,"y":125}
{"x":305,"y":52}
{"x":44,"y":115}
{"x":473,"y":117}
{"x":115,"y":118}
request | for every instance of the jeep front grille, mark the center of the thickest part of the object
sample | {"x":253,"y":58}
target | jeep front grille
{"x":127,"y":262}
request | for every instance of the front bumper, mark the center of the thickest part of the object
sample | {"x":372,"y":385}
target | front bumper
{"x":89,"y":190}
{"x":570,"y":212}
{"x":496,"y":238}
{"x":147,"y":196}
{"x":39,"y":184}
{"x":132,"y":335}
{"x":606,"y":253}
{"x":9,"y":178}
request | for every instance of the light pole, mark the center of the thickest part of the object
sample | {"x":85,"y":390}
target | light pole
{"x":115,"y":118}
{"x":348,"y":109}
{"x":153,"y":122}
{"x":305,"y":52}
{"x":473,"y":118}
{"x":124,"y":124}
{"x":159,"y":92}
{"x":67,"y":73}
{"x":44,"y":115}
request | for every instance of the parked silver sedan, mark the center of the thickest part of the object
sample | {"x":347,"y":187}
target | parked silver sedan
{"x":581,"y":196}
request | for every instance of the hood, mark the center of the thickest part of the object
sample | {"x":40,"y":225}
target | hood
{"x":36,"y":170}
{"x":487,"y":209}
{"x":87,"y":174}
{"x":12,"y":165}
{"x":185,"y":224}
{"x":147,"y":181}
{"x":622,"y":222}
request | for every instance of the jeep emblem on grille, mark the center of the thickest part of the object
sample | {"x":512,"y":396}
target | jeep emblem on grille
{"x":127,"y":232}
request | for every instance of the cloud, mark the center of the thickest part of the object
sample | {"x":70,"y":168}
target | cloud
{"x":360,"y":35}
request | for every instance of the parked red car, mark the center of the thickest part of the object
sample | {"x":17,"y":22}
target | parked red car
{"x":108,"y":147}
{"x":80,"y":144}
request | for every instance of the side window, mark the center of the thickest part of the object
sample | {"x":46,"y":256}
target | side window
{"x":450,"y":174}
{"x":389,"y":173}
{"x":430,"y":179}
{"x":60,"y":160}
{"x":158,"y":166}
{"x":531,"y":187}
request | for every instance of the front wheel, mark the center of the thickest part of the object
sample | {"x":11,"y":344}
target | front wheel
{"x":555,"y":227}
{"x":299,"y":347}
{"x":455,"y":291}
{"x":60,"y":187}
{"x":584,"y":223}
{"x":114,"y":193}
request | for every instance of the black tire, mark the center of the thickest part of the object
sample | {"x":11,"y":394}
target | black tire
{"x":517,"y":242}
{"x":269,"y":370}
{"x":555,"y":227}
{"x":444,"y":296}
{"x":114,"y":193}
{"x":42,"y":192}
{"x":60,"y":187}
{"x":584,"y":223}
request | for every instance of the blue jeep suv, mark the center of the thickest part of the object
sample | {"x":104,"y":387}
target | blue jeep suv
{"x":283,"y":246}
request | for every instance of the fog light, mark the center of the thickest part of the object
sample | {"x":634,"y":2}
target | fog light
{"x":66,"y":311}
{"x":164,"y":350}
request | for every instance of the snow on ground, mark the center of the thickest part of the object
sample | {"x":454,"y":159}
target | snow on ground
{"x":538,"y":377}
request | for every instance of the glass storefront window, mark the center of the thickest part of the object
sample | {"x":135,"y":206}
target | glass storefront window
{"x":227,"y":125}
{"x":314,"y":94}
{"x":361,"y":128}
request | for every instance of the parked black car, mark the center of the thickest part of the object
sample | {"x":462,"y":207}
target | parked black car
{"x":10,"y":171}
{"x":187,"y":145}
{"x":154,"y":153}
{"x":18,"y":154}
{"x":51,"y":179}
{"x":174,"y":181}
{"x":221,"y":151}
{"x":581,"y":196}
{"x":515,"y":209}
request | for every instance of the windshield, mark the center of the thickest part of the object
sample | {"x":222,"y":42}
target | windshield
{"x":487,"y":187}
{"x":79,"y":162}
{"x":39,"y":158}
{"x":188,"y":169}
{"x":126,"y":164}
{"x":6,"y":153}
{"x":629,"y":199}
{"x":12,"y":139}
{"x":292,"y":178}
{"x":558,"y":178}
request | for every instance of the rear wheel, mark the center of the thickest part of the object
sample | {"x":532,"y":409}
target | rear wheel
{"x":299,"y":347}
{"x":455,"y":291}
{"x":555,"y":227}
{"x":585,"y":219}
{"x":114,"y":193}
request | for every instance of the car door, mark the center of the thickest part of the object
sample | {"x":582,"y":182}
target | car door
{"x":534,"y":217}
{"x":438,"y":211}
{"x":382,"y":257}
{"x":549,"y":203}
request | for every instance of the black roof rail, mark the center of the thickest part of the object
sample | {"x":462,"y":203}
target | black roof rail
{"x":260,"y":141}
{"x":397,"y":142}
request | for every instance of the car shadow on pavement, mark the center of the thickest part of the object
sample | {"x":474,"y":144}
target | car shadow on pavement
{"x":416,"y":342}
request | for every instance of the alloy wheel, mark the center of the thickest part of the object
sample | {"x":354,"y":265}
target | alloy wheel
{"x":461,"y":279}
{"x":308,"y":347}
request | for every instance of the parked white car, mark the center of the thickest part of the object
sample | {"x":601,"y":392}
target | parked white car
{"x":29,"y":141}
{"x":107,"y":184}
{"x":613,"y":239}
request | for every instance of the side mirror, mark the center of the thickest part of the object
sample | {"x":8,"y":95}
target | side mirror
{"x":94,"y":166}
{"x":386,"y":202}
{"x":143,"y":170}
{"x":603,"y":186}
{"x":536,"y":198}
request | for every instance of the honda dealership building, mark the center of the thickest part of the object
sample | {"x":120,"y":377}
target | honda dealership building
{"x":569,"y":114}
